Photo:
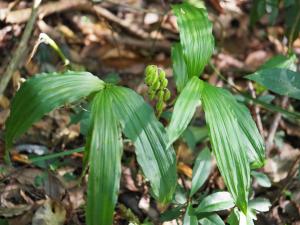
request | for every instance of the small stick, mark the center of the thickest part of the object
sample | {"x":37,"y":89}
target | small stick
{"x":274,"y":126}
{"x":21,"y":49}
{"x":132,"y":28}
{"x":256,"y":110}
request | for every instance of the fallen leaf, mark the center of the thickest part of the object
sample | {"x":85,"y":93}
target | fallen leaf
{"x":50,"y":213}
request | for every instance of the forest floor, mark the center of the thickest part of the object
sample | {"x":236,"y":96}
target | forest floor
{"x":116,"y":40}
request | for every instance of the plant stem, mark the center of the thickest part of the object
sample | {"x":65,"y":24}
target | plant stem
{"x":44,"y":38}
{"x":55,"y":155}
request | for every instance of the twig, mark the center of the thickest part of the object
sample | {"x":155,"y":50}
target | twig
{"x":158,"y":30}
{"x":18,"y":54}
{"x":274,"y":126}
{"x":134,"y":8}
{"x":22,"y":15}
{"x":256,"y":110}
{"x":134,"y":29}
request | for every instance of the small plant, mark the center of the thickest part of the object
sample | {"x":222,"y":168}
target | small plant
{"x":114,"y":109}
{"x":235,"y":140}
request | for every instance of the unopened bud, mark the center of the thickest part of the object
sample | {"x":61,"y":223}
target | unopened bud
{"x":167,"y":95}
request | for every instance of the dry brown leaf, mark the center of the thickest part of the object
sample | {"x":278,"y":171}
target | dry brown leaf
{"x":256,"y":59}
{"x":4,"y":102}
{"x":277,"y":167}
{"x":185,"y":169}
{"x":50,"y":213}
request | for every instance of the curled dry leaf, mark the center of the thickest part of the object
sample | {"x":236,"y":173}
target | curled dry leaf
{"x":50,"y":213}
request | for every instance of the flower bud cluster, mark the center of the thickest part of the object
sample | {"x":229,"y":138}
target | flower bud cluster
{"x":157,"y":83}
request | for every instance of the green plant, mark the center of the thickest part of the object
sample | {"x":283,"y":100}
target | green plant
{"x":113,"y":109}
{"x":236,"y":143}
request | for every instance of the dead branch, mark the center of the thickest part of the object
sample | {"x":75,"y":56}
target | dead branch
{"x":21,"y":49}
{"x":274,"y":126}
{"x":22,"y":15}
{"x":256,"y":110}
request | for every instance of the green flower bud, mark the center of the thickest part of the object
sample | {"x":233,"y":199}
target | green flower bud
{"x":154,"y":80}
{"x":150,"y":70}
{"x":148,"y":80}
{"x":159,"y":107}
{"x":151,"y":94}
{"x":167,"y":95}
{"x":162,"y":75}
{"x":164,"y":83}
{"x":155,"y":86}
{"x":160,"y":95}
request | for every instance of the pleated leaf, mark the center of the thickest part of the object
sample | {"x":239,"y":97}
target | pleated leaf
{"x":228,"y":142}
{"x":252,"y":139}
{"x":43,"y":93}
{"x":150,"y":139}
{"x":195,"y":37}
{"x":184,"y":108}
{"x":179,"y":67}
{"x":279,"y":80}
{"x":105,"y":151}
{"x":215,"y":202}
{"x":201,"y":170}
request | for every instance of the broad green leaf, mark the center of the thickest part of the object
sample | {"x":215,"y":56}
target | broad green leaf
{"x":179,"y":67}
{"x":201,"y":170}
{"x":215,"y":202}
{"x":281,"y":81}
{"x":280,"y":61}
{"x":262,"y":179}
{"x":195,"y":37}
{"x":252,"y":139}
{"x":171,"y":214}
{"x":43,"y":93}
{"x":105,"y":151}
{"x":150,"y":139}
{"x":184,"y":108}
{"x":260,"y":204}
{"x":189,"y":219}
{"x":213,"y":219}
{"x":228,"y":142}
